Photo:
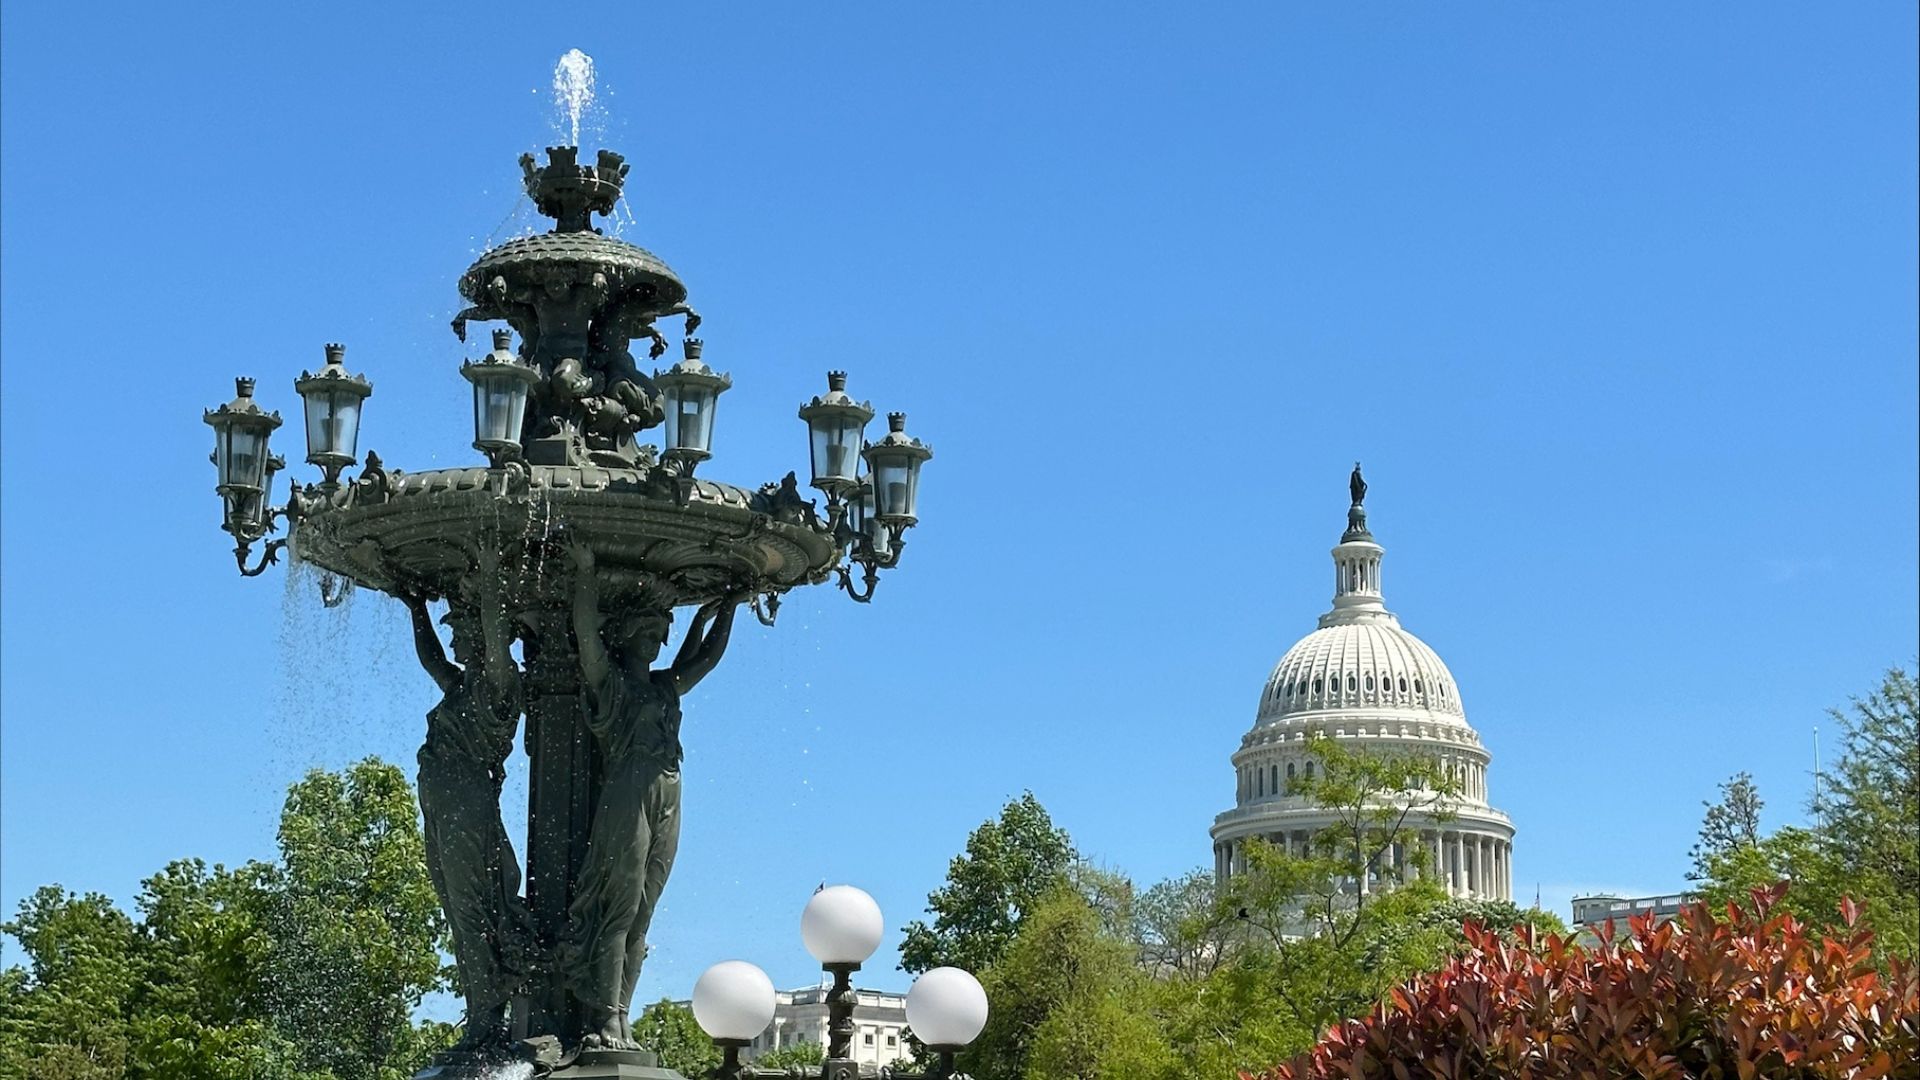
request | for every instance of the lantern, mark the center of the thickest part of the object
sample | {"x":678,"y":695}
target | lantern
{"x":894,"y":463}
{"x":240,"y":456}
{"x":836,"y":425}
{"x":691,"y":389}
{"x":500,"y":387}
{"x":333,"y":399}
{"x":863,"y":522}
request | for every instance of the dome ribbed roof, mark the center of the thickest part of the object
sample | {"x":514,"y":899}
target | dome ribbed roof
{"x":1360,"y":665}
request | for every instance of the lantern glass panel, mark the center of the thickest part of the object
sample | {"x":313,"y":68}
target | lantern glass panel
{"x":896,"y":478}
{"x":836,"y":448}
{"x":499,"y":409}
{"x":689,"y":421}
{"x":244,"y":461}
{"x":860,"y":508}
{"x":333,"y":424}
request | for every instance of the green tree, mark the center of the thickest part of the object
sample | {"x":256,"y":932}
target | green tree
{"x":1069,"y":1002}
{"x":1869,"y":807}
{"x":65,"y":1015}
{"x":669,"y":1030}
{"x":353,"y":927}
{"x":1730,"y":824}
{"x":1008,"y":865}
{"x":1865,"y":843}
{"x":198,"y":1010}
{"x":807,"y":1053}
{"x":303,"y":970}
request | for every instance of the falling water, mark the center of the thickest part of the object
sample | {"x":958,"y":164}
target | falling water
{"x":573,"y":89}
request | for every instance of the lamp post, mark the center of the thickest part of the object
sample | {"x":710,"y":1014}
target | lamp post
{"x":733,"y":1001}
{"x":576,"y":521}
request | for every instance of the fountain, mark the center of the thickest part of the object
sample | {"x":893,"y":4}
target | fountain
{"x":578,"y":542}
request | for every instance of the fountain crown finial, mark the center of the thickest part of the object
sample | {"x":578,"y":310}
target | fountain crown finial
{"x":571,"y":193}
{"x":336,"y":352}
{"x":502,"y":340}
{"x":243,"y":386}
{"x":837,"y":381}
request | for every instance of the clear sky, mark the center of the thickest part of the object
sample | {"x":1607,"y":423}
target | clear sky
{"x":1616,"y":302}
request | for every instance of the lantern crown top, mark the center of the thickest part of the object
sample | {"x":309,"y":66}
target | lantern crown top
{"x":693,"y":371}
{"x":333,"y":377}
{"x":242,"y":408}
{"x":502,"y":340}
{"x":571,"y":193}
{"x":897,"y":438}
{"x":836,"y":399}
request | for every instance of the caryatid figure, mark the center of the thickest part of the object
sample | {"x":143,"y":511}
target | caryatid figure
{"x":462,"y":767}
{"x":633,"y":712}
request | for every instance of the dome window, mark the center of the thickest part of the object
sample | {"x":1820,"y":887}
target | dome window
{"x":1403,"y":684}
{"x":1352,"y":683}
{"x":1369,"y":683}
{"x":1416,"y":687}
{"x":1316,"y":686}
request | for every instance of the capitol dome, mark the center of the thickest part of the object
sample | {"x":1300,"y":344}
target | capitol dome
{"x":1364,"y":680}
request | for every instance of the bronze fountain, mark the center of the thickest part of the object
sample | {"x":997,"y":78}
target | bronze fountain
{"x":579,"y":542}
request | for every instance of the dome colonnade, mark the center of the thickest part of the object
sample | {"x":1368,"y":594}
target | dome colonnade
{"x":1363,"y":680}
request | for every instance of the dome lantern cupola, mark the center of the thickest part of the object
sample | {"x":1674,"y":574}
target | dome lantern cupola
{"x":1356,"y":565}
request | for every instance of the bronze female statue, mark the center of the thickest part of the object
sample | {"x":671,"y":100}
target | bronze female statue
{"x":462,"y":767}
{"x":633,"y":713}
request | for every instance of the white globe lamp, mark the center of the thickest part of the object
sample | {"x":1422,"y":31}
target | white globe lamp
{"x":946,"y":1009}
{"x":733,"y":1002}
{"x":841,"y":926}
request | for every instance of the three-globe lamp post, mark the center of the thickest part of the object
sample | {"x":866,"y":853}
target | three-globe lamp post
{"x":733,"y":1001}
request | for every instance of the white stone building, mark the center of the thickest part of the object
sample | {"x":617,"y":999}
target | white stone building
{"x":1590,"y":913}
{"x":1364,"y":680}
{"x":800,"y":1016}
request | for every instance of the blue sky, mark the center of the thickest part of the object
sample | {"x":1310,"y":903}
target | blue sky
{"x":1616,"y":302}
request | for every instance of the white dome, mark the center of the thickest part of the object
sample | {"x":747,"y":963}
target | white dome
{"x":1371,"y":665}
{"x":1363,"y":681}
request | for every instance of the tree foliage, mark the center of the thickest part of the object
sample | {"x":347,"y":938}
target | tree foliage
{"x":1754,"y":995}
{"x":1068,"y":1001}
{"x":1865,"y":839}
{"x":305,"y":969}
{"x":669,"y":1030}
{"x":809,"y":1053}
{"x":1730,"y":825}
{"x":1008,"y":865}
{"x":1869,"y":807}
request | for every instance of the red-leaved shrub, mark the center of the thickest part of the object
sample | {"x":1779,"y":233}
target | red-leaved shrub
{"x":1691,"y":999}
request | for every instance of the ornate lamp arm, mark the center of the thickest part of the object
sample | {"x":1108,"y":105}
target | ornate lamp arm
{"x":870,"y":579}
{"x":771,"y":611}
{"x":268,"y":557}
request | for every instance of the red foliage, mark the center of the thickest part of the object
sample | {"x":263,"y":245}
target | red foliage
{"x":1691,"y":999}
